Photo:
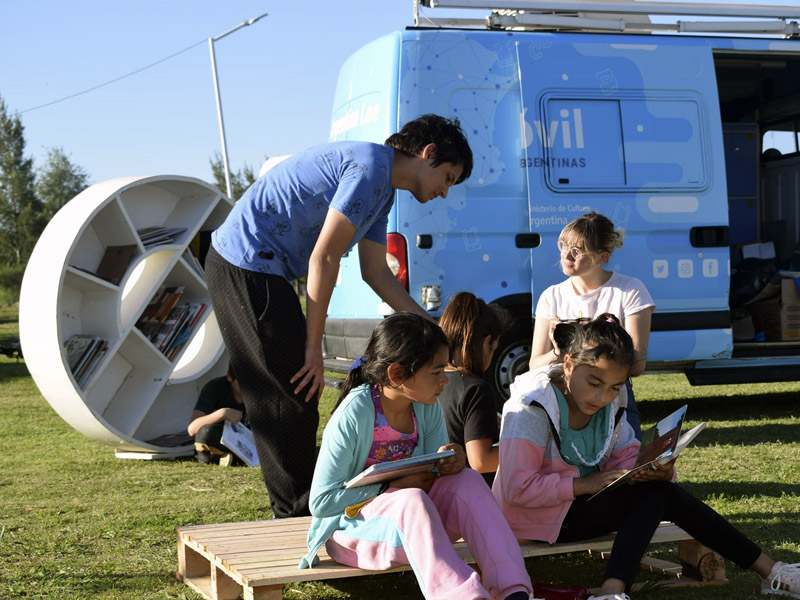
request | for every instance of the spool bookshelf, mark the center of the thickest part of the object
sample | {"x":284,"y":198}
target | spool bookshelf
{"x":134,"y":394}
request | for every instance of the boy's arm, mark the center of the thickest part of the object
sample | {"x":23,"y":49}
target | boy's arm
{"x":199,"y":418}
{"x":376,"y":273}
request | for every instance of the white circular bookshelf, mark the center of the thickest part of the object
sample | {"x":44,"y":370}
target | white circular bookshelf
{"x":131,"y":385}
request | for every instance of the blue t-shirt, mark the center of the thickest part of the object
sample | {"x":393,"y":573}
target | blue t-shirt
{"x":275,"y":225}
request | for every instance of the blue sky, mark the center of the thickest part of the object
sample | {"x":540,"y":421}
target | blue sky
{"x":277,"y":77}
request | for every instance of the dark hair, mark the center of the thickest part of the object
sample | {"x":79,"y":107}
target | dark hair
{"x":466,"y":321}
{"x":603,"y":337}
{"x":404,"y":338}
{"x":231,"y":373}
{"x":595,"y":233}
{"x":451,"y":143}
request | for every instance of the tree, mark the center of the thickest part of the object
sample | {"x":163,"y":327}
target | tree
{"x":21,"y":219}
{"x":59,"y":181}
{"x":240,"y":180}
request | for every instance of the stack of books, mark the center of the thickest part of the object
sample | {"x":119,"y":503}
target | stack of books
{"x":156,"y":236}
{"x":169,"y":324}
{"x":84,"y":354}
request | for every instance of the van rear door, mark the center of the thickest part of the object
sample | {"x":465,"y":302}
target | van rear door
{"x":630,"y":127}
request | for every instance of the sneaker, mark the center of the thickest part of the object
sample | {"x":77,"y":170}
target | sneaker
{"x":610,"y":597}
{"x":226,"y":460}
{"x":783,"y":580}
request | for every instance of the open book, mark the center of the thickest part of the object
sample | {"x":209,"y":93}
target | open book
{"x":660,"y":444}
{"x":239,"y":440}
{"x":397,"y":468}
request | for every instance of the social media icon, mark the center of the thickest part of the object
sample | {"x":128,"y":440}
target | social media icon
{"x":710,"y":267}
{"x":685,"y":269}
{"x":660,"y":269}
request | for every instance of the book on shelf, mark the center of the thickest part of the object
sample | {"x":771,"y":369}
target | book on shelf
{"x":158,"y":310}
{"x":77,"y":349}
{"x":101,"y":349}
{"x":660,"y":444}
{"x":187,"y":326}
{"x":165,"y":331}
{"x":115,"y":262}
{"x":156,"y":236}
{"x":193,"y":262}
{"x":393,"y":469}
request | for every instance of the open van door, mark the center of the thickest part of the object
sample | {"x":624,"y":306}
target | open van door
{"x":632,"y":131}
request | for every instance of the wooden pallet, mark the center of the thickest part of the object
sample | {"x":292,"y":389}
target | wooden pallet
{"x":255,"y":559}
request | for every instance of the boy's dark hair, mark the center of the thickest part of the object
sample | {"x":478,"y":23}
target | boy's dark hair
{"x":603,"y":337}
{"x":405,"y":338}
{"x":451,"y":143}
{"x":466,"y":321}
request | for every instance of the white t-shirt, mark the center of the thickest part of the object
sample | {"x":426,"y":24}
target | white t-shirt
{"x":621,"y":296}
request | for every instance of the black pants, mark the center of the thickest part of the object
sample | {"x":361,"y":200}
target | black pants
{"x":634,"y":512}
{"x":263,"y":328}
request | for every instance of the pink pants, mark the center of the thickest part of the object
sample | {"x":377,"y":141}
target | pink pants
{"x":410,"y":527}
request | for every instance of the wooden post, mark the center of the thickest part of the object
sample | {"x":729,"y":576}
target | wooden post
{"x":701,"y":562}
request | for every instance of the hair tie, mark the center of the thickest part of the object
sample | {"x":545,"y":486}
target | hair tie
{"x":610,"y":320}
{"x":358,"y":362}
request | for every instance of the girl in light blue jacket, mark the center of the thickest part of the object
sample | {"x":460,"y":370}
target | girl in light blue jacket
{"x":389,"y":410}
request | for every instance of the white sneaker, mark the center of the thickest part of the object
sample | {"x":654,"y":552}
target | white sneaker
{"x":610,"y":597}
{"x":783,"y":580}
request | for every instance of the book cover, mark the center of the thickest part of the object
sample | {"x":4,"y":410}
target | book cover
{"x":393,"y":469}
{"x":660,"y":444}
{"x":239,"y":440}
{"x":115,"y":262}
{"x":76,"y":348}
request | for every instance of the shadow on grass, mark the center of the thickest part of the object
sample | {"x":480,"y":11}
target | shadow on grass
{"x":748,"y":435}
{"x":728,"y":408}
{"x":13,"y":369}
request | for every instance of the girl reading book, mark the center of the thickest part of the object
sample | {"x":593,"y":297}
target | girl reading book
{"x":388,"y":410}
{"x":563,"y":438}
{"x":470,"y":404}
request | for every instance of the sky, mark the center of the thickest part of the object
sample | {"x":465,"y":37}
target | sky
{"x":277,"y":77}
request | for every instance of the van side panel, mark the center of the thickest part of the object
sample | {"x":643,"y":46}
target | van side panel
{"x":365,"y":108}
{"x":474,"y":78}
{"x":632,"y":130}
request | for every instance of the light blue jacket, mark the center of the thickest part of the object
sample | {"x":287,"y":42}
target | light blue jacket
{"x":345,"y":447}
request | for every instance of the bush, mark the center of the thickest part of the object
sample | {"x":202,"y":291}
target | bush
{"x":10,"y":283}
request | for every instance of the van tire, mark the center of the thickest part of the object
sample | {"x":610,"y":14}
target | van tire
{"x":511,"y":358}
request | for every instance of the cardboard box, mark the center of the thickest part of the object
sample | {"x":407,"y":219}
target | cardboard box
{"x":790,"y":309}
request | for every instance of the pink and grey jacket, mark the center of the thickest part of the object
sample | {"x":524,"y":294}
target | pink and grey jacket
{"x":533,"y":486}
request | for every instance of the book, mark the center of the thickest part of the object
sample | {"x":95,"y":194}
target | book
{"x":239,"y":439}
{"x":386,"y":471}
{"x":115,"y":262}
{"x":77,"y":348}
{"x":660,"y":444}
{"x":158,"y":311}
{"x":155,"y":236}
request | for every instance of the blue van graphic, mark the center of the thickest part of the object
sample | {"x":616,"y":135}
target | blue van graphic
{"x":664,"y":134}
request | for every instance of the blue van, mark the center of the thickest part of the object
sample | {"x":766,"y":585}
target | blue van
{"x":689,"y":143}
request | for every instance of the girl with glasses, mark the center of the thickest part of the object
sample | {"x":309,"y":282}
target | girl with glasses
{"x":585,"y":246}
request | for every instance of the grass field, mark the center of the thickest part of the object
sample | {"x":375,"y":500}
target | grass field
{"x":77,"y":523}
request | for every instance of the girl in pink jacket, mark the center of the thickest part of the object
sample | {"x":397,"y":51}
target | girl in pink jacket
{"x":564,"y":437}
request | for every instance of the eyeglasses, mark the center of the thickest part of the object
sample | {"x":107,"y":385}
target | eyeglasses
{"x":574,"y":253}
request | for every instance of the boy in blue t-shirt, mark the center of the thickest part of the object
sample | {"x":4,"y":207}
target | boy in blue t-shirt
{"x":298,"y":219}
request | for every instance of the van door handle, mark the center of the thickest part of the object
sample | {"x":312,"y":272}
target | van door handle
{"x":527,"y":240}
{"x":715,"y":236}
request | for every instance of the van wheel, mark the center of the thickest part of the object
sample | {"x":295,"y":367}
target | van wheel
{"x":511,"y":358}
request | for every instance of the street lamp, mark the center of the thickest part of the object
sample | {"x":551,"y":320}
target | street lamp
{"x":211,"y":41}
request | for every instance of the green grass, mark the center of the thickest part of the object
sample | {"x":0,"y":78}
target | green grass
{"x":76,"y":523}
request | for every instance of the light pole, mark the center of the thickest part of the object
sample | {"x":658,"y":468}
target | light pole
{"x":211,"y":41}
